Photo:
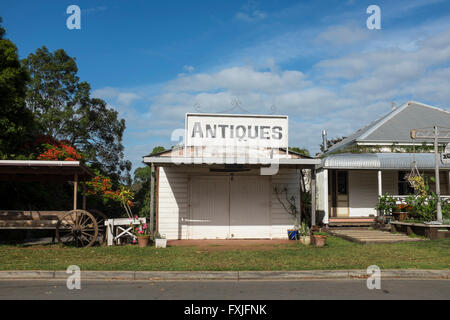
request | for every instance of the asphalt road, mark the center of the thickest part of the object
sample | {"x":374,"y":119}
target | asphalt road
{"x":225,"y":290}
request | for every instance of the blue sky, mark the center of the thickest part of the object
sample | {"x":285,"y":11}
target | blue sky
{"x":314,"y":61}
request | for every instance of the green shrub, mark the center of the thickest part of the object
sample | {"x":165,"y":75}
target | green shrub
{"x":386,"y":204}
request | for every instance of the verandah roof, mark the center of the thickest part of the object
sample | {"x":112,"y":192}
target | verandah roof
{"x":387,"y":161}
{"x":43,"y":170}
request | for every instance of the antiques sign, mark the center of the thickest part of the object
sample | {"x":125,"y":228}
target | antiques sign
{"x":236,"y":130}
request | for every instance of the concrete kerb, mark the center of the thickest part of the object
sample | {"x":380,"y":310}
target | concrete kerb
{"x":227,"y":275}
{"x":27,"y":274}
{"x":292,"y":275}
{"x":192,"y":275}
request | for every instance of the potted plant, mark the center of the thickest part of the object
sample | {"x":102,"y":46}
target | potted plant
{"x":142,"y":233}
{"x":402,"y":212}
{"x":160,"y":241}
{"x":305,"y":238}
{"x":318,"y":238}
{"x":386,"y":205}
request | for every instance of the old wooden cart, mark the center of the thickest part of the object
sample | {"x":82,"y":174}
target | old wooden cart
{"x":76,"y":227}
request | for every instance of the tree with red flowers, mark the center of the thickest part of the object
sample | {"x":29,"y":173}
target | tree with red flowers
{"x":59,"y":151}
{"x":102,"y":186}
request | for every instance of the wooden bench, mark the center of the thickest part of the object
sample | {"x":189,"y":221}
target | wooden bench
{"x":20,"y":219}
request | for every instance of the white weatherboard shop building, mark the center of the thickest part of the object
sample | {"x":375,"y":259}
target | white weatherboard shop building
{"x":220,"y":184}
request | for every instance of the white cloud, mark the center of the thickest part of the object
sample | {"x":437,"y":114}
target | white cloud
{"x":105,"y":93}
{"x":388,"y":72}
{"x":250,"y":12}
{"x":121,"y":97}
{"x":344,"y":34}
{"x":433,"y":86}
{"x":253,"y":16}
{"x":414,"y":4}
{"x":93,"y":10}
{"x":127,"y":98}
{"x":238,"y":80}
{"x":122,"y":101}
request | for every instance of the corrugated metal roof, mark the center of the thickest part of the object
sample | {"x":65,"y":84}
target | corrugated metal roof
{"x":380,"y":161}
{"x":351,"y":160}
{"x":396,"y":125}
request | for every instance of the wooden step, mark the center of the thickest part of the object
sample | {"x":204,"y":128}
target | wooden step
{"x":351,"y":221}
{"x":372,"y":236}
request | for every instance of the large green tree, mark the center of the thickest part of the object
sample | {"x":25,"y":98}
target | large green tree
{"x":16,"y":121}
{"x":65,"y":111}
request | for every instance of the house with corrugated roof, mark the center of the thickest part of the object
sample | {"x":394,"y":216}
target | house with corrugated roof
{"x":375,"y":160}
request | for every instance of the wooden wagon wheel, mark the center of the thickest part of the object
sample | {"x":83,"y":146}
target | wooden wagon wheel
{"x":101,"y":218}
{"x":78,"y":228}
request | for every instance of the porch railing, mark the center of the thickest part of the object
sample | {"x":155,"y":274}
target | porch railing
{"x":401,"y":199}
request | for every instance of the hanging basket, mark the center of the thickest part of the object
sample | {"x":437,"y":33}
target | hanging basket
{"x":416,"y":180}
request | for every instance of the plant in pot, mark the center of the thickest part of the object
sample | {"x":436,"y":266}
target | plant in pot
{"x":160,"y":241}
{"x":424,"y":202}
{"x":402,"y":211}
{"x":385,"y":206}
{"x":141,"y":232}
{"x":305,"y":237}
{"x":318,"y":238}
{"x":290,"y":207}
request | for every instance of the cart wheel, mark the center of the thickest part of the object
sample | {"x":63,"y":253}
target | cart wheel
{"x":78,"y":228}
{"x":100,"y":218}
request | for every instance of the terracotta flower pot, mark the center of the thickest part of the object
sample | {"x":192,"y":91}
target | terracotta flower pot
{"x":318,"y":240}
{"x":400,"y":216}
{"x":143,"y":241}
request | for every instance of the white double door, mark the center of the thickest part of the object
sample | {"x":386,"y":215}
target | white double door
{"x":229,"y":207}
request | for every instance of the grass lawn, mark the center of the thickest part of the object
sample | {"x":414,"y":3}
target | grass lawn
{"x":338,"y":254}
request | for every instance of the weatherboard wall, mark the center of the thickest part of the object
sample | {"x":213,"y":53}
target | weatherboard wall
{"x":174,"y":199}
{"x":363,"y":190}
